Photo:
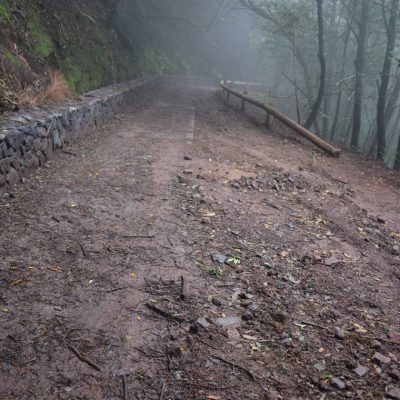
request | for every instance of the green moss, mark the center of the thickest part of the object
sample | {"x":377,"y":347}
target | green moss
{"x":5,"y":13}
{"x":43,"y":45}
{"x":73,"y":74}
{"x":153,"y":62}
{"x":13,"y":59}
{"x":86,"y":68}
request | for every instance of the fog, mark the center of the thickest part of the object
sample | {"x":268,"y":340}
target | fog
{"x":329,"y":64}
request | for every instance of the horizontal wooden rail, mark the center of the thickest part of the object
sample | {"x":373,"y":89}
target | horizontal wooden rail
{"x":322,"y":144}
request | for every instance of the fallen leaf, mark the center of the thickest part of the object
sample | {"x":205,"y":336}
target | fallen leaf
{"x":359,"y":328}
{"x":248,"y":337}
{"x":16,"y":282}
{"x":348,"y":256}
{"x":292,"y":279}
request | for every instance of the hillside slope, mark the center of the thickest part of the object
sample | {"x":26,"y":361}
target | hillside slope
{"x":92,"y":43}
{"x":72,"y":37}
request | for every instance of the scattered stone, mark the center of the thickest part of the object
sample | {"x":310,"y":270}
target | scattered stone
{"x":376,"y":344}
{"x":361,"y":370}
{"x":253,"y":307}
{"x":218,"y":258}
{"x":187,"y":158}
{"x":380,"y":359}
{"x":216,"y":302}
{"x":197,"y":197}
{"x":320,"y":367}
{"x":396,"y":250}
{"x":203,"y":323}
{"x":395,"y":374}
{"x":339,"y":334}
{"x":247,"y":316}
{"x":205,"y":221}
{"x":246,"y":296}
{"x":246,"y":303}
{"x":394,"y":393}
{"x":331,"y":261}
{"x":228,"y":322}
{"x":338,"y":384}
{"x":188,"y":172}
{"x":2,"y":137}
{"x":284,"y":335}
{"x":235,"y":185}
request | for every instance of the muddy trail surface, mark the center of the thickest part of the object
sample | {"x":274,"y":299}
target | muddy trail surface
{"x":183,"y":252}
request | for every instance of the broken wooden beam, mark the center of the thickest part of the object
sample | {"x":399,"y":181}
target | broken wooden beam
{"x":271,"y":111}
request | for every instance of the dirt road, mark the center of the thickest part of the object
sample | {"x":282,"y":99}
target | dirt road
{"x":290,"y":261}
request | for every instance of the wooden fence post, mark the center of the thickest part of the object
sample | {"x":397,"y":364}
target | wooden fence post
{"x":243,"y":105}
{"x":268,"y":121}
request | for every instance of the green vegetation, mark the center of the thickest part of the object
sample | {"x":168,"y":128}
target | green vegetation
{"x":13,"y":59}
{"x":43,"y":45}
{"x":5,"y":13}
{"x":152,"y":62}
{"x":216,"y":272}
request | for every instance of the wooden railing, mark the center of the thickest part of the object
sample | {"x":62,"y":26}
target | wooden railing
{"x":272,"y":112}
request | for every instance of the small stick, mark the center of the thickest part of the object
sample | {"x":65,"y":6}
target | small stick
{"x":68,"y":152}
{"x":355,"y":335}
{"x":138,"y":236}
{"x":117,"y":289}
{"x":234,"y":365}
{"x":209,"y":386}
{"x":124,"y":391}
{"x":83,"y":250}
{"x":183,"y":288}
{"x":83,"y":358}
{"x":164,"y":313}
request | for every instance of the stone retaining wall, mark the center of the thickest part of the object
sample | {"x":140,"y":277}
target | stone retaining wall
{"x":29,"y":138}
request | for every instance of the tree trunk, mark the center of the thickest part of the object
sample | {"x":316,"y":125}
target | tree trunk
{"x":331,"y":66}
{"x":397,"y":160}
{"x":322,"y":60}
{"x":342,"y":72}
{"x":362,"y":40}
{"x":393,"y":98}
{"x":385,"y":78}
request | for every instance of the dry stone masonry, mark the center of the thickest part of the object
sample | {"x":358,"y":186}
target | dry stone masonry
{"x":29,"y":138}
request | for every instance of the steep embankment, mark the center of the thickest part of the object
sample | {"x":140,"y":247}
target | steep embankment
{"x":73,"y":37}
{"x":93,"y":43}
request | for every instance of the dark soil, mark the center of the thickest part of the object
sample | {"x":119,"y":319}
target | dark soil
{"x":290,"y":258}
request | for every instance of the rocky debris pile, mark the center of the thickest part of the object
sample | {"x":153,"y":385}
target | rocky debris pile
{"x":271,"y":179}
